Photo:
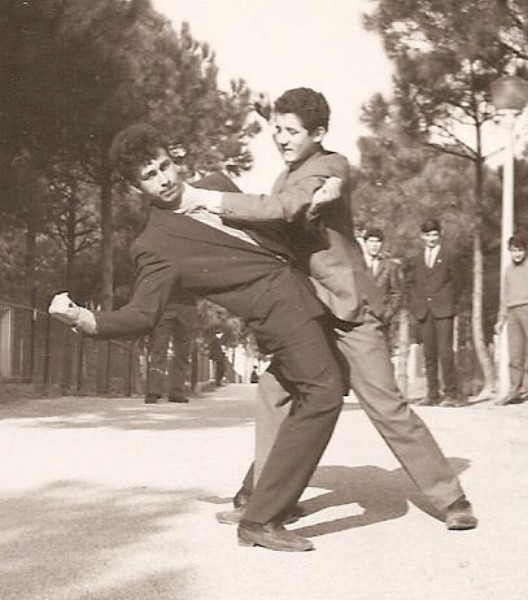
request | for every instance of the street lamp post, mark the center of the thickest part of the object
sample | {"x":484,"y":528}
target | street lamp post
{"x":509,"y":96}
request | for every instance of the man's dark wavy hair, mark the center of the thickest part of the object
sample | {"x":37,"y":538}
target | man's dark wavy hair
{"x":431,"y":225}
{"x":517,"y":240}
{"x":133,"y":147}
{"x":310,"y":106}
{"x":374,"y":232}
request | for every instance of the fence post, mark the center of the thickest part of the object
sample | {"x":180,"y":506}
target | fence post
{"x":47,"y":341}
{"x":107,"y":368}
{"x":32,"y":336}
{"x":80,"y":362}
{"x":128,"y":378}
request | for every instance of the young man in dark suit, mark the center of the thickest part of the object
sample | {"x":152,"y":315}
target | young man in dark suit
{"x":174,"y":329}
{"x":386,"y":273}
{"x":343,"y":283}
{"x":433,"y":285}
{"x":252,"y":276}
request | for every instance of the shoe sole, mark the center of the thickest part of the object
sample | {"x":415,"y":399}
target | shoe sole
{"x":230,"y":520}
{"x":248,"y":540}
{"x":463,"y":526}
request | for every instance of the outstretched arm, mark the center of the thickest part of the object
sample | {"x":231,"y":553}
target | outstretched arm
{"x":154,"y":283}
{"x":293,"y":200}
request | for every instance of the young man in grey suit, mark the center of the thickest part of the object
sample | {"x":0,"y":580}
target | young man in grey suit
{"x":343,"y":283}
{"x":251,"y":275}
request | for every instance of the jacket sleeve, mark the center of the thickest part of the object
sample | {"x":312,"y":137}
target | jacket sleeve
{"x":289,"y":203}
{"x":394,"y":300}
{"x":155,"y":280}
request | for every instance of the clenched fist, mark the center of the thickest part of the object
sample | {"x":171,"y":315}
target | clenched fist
{"x":63,"y":308}
{"x":329,"y":191}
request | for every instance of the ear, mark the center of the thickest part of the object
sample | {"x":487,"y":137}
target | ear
{"x":318,"y":134}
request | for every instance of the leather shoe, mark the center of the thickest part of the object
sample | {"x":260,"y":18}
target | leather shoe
{"x":151,"y":398}
{"x":428,"y":401}
{"x":460,"y":515}
{"x":178,"y":399}
{"x":272,"y":536}
{"x":452,"y":401}
{"x":511,"y":399}
{"x":232,"y":517}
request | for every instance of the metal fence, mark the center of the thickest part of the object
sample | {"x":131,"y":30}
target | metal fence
{"x":35,"y":348}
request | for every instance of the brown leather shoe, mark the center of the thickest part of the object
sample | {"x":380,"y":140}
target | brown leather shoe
{"x":233,"y":517}
{"x":460,"y":515}
{"x":428,"y":401}
{"x":152,"y":398}
{"x":453,"y":401}
{"x":511,"y":399}
{"x":272,"y":536}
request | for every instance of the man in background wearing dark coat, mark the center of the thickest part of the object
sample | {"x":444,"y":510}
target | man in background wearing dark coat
{"x":433,"y":286}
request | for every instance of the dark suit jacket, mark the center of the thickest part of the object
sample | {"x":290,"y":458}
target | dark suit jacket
{"x":337,"y":269}
{"x":249,"y":280}
{"x":435,"y":288}
{"x":389,"y":279}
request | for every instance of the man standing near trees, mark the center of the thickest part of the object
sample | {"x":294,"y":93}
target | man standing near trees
{"x":433,"y":285}
{"x":387,"y":275}
{"x":300,"y":121}
{"x":514,"y":313}
{"x":174,"y":330}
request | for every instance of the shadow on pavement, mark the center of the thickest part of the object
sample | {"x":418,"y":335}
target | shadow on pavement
{"x":71,"y":540}
{"x":77,"y":412}
{"x":382,"y":495}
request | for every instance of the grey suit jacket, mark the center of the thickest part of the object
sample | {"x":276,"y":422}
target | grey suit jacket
{"x":337,"y":267}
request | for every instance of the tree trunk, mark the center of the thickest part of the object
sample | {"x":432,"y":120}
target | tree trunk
{"x":107,"y":243}
{"x":485,"y":362}
{"x":70,"y":238}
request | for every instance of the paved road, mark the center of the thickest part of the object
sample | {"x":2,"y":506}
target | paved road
{"x":109,"y":499}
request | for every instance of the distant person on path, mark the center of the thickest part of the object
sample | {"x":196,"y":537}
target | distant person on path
{"x":433,"y":287}
{"x":174,"y":329}
{"x":514,"y":313}
{"x":300,"y":122}
{"x":217,"y":355}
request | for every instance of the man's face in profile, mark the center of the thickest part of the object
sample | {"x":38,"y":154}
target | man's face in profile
{"x":161,"y":178}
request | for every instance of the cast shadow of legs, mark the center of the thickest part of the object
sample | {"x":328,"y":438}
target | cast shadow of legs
{"x":382,"y":495}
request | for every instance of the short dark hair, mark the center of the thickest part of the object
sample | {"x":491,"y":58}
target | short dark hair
{"x":517,"y":240}
{"x":310,"y":106}
{"x":374,"y":232}
{"x":430,"y":225}
{"x":133,"y":147}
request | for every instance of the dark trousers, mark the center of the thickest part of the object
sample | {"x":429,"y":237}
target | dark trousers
{"x":177,"y":328}
{"x":437,"y":338}
{"x":366,"y":353}
{"x":307,"y":364}
{"x":518,"y":348}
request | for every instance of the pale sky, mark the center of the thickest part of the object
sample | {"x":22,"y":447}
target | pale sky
{"x":280,"y":44}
